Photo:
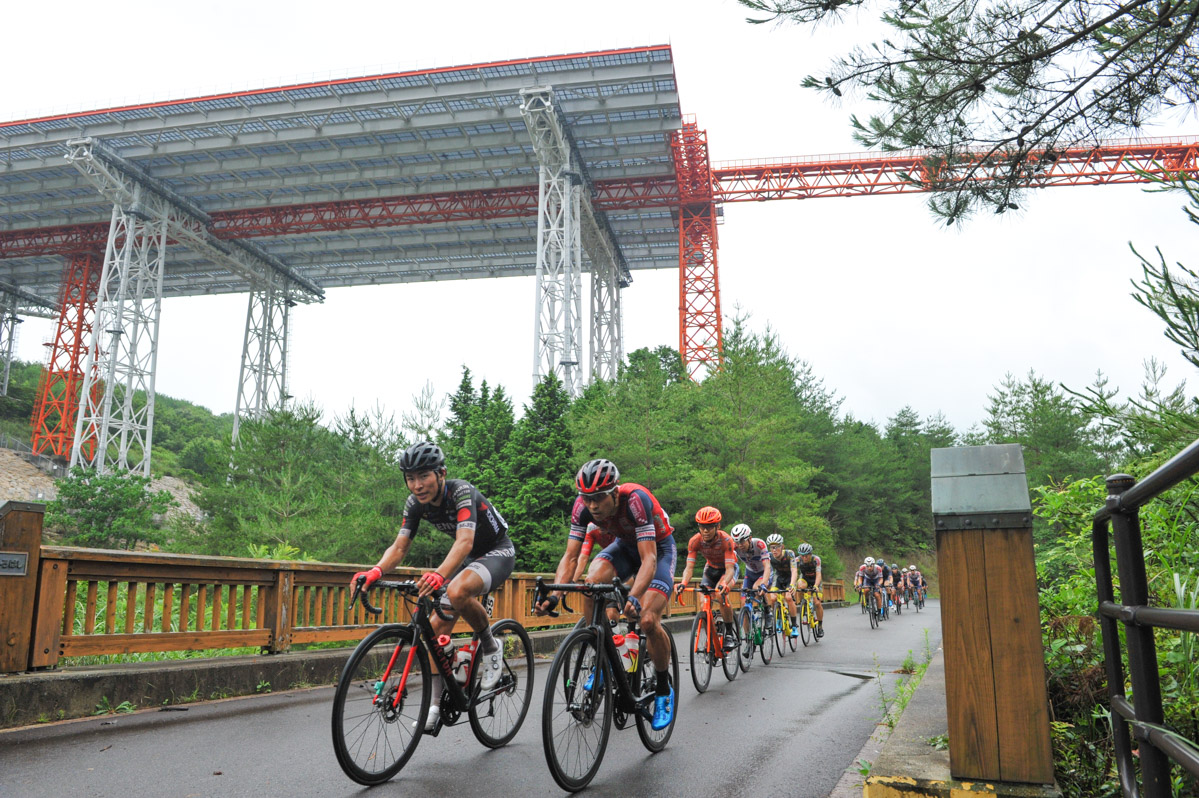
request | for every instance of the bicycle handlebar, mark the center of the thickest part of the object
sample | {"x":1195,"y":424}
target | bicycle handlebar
{"x":408,"y":587}
{"x":543,"y":591}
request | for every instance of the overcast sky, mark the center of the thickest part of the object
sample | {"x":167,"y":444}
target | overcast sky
{"x":888,"y":306}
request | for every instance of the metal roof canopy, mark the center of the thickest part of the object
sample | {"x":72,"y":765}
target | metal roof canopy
{"x":435,"y":131}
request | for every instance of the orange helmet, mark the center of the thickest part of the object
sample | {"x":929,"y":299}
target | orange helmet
{"x":707,"y":515}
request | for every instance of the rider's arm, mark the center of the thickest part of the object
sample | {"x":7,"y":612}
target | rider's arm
{"x":794,"y":573}
{"x":766,"y":571}
{"x":457,"y":555}
{"x":570,"y":564}
{"x":687,"y":569}
{"x":730,"y":570}
{"x":394,"y":555}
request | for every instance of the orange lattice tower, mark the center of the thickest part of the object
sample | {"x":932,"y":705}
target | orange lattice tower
{"x":700,"y":336}
{"x":58,"y":394}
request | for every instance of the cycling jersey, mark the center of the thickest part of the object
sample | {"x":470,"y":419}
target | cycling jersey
{"x":916,"y":578}
{"x":782,"y":568}
{"x":809,"y":570}
{"x":594,"y":537}
{"x":872,"y":576}
{"x":886,"y":573}
{"x":717,"y":552}
{"x":638,"y":517}
{"x":462,"y":507}
{"x":755,"y":558}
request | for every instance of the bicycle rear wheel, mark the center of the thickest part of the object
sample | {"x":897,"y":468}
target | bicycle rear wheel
{"x":497,"y":714}
{"x":701,"y":653}
{"x":376,"y":726}
{"x":781,"y":632}
{"x":576,"y":716}
{"x":745,"y":631}
{"x":655,"y":740}
{"x":766,"y":632}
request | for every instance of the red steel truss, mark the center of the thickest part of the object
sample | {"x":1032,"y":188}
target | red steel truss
{"x":701,"y":342}
{"x":699,"y":188}
{"x":57,"y":401}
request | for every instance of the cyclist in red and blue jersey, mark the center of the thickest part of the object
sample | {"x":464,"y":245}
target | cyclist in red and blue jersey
{"x":643,"y":548}
{"x":480,"y":559}
{"x":753,"y":554}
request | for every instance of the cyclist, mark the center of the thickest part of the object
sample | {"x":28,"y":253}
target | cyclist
{"x":751,"y":552}
{"x":643,"y":548}
{"x":901,"y":582}
{"x":872,"y":580}
{"x":480,"y":559}
{"x":782,"y":563}
{"x":888,"y":582}
{"x":717,"y":549}
{"x":916,"y":580}
{"x":810,"y":576}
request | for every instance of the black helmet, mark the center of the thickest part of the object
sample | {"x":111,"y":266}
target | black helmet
{"x":423,"y":456}
{"x":597,"y":476}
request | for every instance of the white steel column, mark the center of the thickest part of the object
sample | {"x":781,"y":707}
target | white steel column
{"x":556,"y":335}
{"x":114,"y":428}
{"x":606,"y":333}
{"x":262,"y":381}
{"x":8,"y":334}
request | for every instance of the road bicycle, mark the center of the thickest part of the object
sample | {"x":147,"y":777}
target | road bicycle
{"x":898,"y":603}
{"x":782,"y":623}
{"x":755,"y":628}
{"x":872,"y":609}
{"x":708,"y":635}
{"x":382,"y":700}
{"x":920,"y":591}
{"x":591,"y":686}
{"x":807,"y":615}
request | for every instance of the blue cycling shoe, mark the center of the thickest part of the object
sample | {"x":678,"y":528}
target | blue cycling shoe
{"x":663,"y":711}
{"x":587,"y":685}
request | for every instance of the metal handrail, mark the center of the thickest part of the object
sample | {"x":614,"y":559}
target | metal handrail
{"x":1144,"y":720}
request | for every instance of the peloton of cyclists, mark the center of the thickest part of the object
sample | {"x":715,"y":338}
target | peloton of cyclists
{"x":810,"y":575}
{"x":782,"y":563}
{"x":643,"y":548}
{"x":720,"y":563}
{"x":480,"y":559}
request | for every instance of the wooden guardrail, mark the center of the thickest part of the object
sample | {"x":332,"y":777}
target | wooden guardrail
{"x":75,"y":602}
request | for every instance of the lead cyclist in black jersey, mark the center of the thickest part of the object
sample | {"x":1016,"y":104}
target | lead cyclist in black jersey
{"x":480,"y":559}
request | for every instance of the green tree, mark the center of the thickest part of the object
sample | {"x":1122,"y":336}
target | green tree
{"x":114,"y":510}
{"x":1005,"y":80}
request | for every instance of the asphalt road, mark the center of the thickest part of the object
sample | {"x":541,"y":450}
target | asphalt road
{"x":790,"y":728}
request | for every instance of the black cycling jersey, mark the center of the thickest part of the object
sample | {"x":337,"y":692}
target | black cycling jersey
{"x":462,"y":506}
{"x":807,"y":570}
{"x":886,"y":573}
{"x":783,"y":566}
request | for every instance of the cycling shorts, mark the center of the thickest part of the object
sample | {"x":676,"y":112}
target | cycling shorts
{"x":711,"y":576}
{"x":750,"y":578}
{"x":802,"y":584}
{"x":493,"y":568}
{"x":626,"y":561}
{"x":872,"y":582}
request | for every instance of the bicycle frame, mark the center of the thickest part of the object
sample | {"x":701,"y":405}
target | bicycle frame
{"x":626,"y":700}
{"x":427,"y":643}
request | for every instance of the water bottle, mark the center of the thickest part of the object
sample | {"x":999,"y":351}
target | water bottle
{"x":622,"y":648}
{"x":445,"y":652}
{"x":462,"y":658}
{"x":634,"y":644}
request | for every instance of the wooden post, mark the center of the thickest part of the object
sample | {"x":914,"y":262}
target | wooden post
{"x":20,"y":556}
{"x":278,"y":608}
{"x":995,"y":693}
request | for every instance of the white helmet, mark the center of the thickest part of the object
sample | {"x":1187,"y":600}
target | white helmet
{"x":741,"y":533}
{"x":911,"y":568}
{"x":774,"y":540}
{"x":869,"y":561}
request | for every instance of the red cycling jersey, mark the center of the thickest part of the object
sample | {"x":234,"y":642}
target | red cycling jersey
{"x":718,"y":552}
{"x":594,"y":537}
{"x":638,"y":517}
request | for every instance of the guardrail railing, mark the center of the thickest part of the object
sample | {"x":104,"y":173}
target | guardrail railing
{"x":1143,"y":719}
{"x":89,"y":602}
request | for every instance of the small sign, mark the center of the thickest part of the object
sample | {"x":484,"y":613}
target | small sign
{"x":13,"y":563}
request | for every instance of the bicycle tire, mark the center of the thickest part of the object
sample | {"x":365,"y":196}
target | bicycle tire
{"x":766,"y":628}
{"x":790,"y":637}
{"x":576,"y":723}
{"x":780,"y":628}
{"x":496,"y":719}
{"x":701,"y":653}
{"x":873,"y":611}
{"x":655,"y":740}
{"x":745,"y":635}
{"x":898,"y":604}
{"x":372,"y":738}
{"x":806,"y":630}
{"x":730,"y":661}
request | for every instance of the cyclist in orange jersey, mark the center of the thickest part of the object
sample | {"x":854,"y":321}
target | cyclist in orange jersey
{"x":720,"y":562}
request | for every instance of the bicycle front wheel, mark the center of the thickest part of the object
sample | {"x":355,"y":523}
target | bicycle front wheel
{"x":745,"y":630}
{"x":782,"y":629}
{"x":701,"y":653}
{"x":576,"y":716}
{"x":766,"y":634}
{"x":873,"y":613}
{"x":730,"y":660}
{"x":806,"y":631}
{"x":376,"y":724}
{"x":496,"y":714}
{"x":655,"y":741}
